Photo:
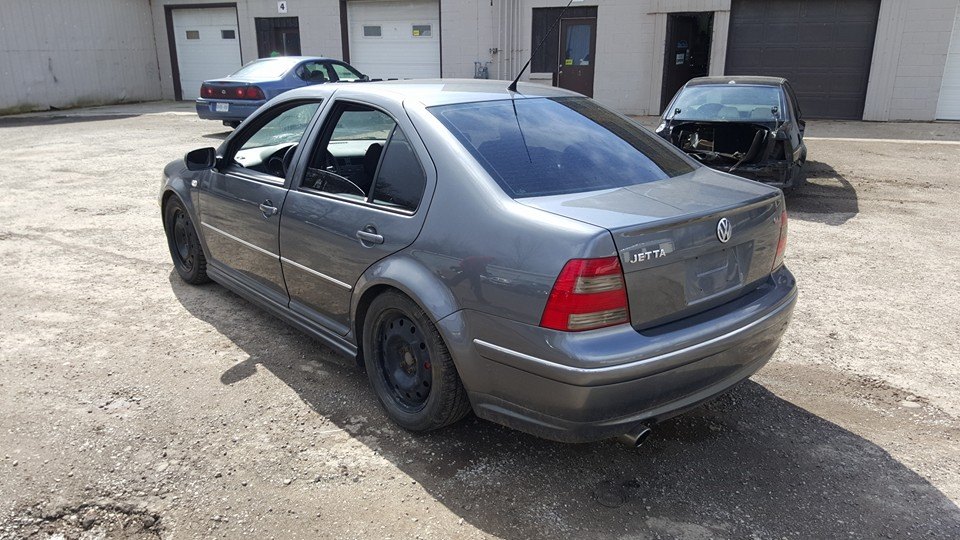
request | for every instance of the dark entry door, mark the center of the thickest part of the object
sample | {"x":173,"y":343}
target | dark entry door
{"x":578,"y":42}
{"x":278,"y":36}
{"x":824,"y":47}
{"x":687,"y":53}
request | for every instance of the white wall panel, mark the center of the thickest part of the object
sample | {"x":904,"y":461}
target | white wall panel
{"x":948,"y":106}
{"x":66,"y":53}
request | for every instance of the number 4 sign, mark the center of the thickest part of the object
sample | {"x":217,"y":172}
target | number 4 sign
{"x":282,"y":6}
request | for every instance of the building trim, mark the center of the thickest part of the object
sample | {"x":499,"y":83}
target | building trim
{"x":344,"y":31}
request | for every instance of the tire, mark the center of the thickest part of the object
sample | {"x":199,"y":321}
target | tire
{"x":231,"y":123}
{"x":409,"y":366}
{"x":184,"y":244}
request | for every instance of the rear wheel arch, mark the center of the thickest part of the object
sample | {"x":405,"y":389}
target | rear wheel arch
{"x":409,"y":277}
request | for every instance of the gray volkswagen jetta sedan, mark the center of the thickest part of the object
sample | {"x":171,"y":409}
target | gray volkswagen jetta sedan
{"x":531,"y":256}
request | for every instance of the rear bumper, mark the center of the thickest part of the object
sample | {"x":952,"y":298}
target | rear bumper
{"x":595,"y":385}
{"x":239,"y":110}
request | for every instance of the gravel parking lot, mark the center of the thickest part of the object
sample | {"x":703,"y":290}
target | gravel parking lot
{"x":135,"y":406}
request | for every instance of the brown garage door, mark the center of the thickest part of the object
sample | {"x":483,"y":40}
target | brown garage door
{"x":823,"y":47}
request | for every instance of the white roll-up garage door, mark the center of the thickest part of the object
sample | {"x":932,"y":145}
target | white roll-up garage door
{"x":948,"y":108}
{"x":395,"y":39}
{"x":208,"y":46}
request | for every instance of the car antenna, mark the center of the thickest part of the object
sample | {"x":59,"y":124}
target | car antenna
{"x":513,"y":85}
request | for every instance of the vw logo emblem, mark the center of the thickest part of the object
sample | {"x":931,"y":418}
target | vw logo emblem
{"x":724,"y":230}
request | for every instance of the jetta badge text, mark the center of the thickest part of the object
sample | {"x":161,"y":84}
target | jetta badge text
{"x":724,"y":230}
{"x":645,"y":255}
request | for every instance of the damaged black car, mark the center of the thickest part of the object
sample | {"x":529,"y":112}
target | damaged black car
{"x":748,"y":126}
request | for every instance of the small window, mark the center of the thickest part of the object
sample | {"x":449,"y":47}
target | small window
{"x":228,"y":34}
{"x":401,"y":179}
{"x":193,"y":34}
{"x":421,"y":30}
{"x":372,"y":31}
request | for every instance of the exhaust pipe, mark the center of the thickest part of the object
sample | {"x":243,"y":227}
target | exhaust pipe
{"x":635,"y":437}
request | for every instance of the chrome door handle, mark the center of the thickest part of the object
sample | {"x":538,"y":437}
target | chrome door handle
{"x":267,"y":208}
{"x":370,"y":236}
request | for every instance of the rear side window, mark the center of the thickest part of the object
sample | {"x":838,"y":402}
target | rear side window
{"x":537,"y":147}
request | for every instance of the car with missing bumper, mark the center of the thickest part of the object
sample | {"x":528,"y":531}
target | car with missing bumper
{"x":531,"y":256}
{"x":233,"y":98}
{"x":748,"y":126}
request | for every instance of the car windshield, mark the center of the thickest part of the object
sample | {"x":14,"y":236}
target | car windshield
{"x":268,"y":68}
{"x":541,"y":146}
{"x":727,"y":102}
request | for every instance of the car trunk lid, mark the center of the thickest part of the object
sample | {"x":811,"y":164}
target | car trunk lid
{"x":666,"y":233}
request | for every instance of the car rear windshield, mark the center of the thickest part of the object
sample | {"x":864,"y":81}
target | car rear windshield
{"x":551,"y":146}
{"x":270,"y":68}
{"x":727,"y":102}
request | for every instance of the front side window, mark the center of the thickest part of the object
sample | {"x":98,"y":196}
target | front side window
{"x":263,"y":148}
{"x":345,"y":73}
{"x":552,"y":146}
{"x":366,"y":157}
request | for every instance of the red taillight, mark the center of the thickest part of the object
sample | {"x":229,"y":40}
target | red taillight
{"x":782,"y":243}
{"x":588,"y":294}
{"x":249,"y":92}
{"x":206,"y":91}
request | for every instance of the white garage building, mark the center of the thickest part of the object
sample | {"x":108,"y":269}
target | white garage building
{"x":855,"y":59}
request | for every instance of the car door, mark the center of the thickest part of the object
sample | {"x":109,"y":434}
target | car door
{"x":240,"y":202}
{"x":360,"y":195}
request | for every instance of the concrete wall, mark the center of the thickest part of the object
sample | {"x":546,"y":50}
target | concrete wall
{"x":319,"y":29}
{"x":909,"y":56}
{"x":631,"y":35}
{"x":66,"y":53}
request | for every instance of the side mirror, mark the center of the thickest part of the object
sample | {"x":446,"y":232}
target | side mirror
{"x":201,"y":159}
{"x":364,"y":78}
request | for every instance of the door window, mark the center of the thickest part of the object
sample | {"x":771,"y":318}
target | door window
{"x":578,"y":45}
{"x":366,"y":157}
{"x":345,"y":73}
{"x":264,"y":148}
{"x":315,"y":72}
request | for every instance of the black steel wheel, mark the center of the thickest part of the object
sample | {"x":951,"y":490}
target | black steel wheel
{"x":409,"y":365}
{"x":184,"y":244}
{"x":404,"y":360}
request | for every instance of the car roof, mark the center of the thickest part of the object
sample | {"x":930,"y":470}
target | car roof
{"x":296,"y":58}
{"x":431,"y":92}
{"x":738,"y":79}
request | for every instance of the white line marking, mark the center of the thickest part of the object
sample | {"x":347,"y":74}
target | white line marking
{"x":888,"y":141}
